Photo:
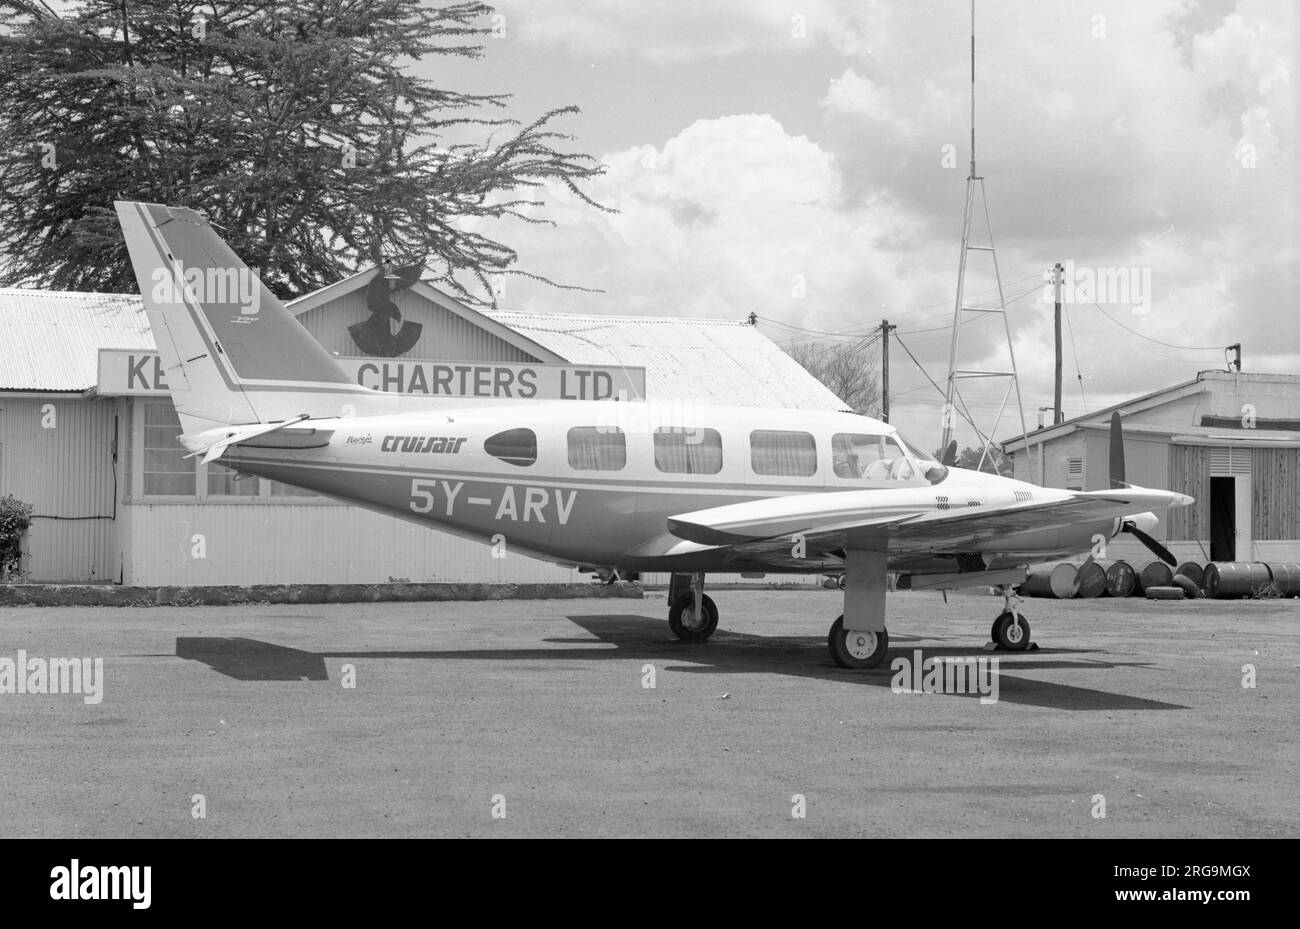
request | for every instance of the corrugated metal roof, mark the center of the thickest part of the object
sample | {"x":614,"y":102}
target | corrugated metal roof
{"x":718,"y":361}
{"x":51,"y":339}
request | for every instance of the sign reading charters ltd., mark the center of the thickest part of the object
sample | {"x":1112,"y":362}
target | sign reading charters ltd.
{"x":127,"y":373}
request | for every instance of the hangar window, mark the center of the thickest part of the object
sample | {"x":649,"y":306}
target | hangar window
{"x":222,"y":483}
{"x":160,"y":467}
{"x":167,"y":472}
{"x":686,"y":450}
{"x":514,"y":446}
{"x":789,"y":454}
{"x":597,"y":448}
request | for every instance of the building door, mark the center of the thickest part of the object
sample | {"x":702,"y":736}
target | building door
{"x":1230,"y":479}
{"x":1223,"y":519}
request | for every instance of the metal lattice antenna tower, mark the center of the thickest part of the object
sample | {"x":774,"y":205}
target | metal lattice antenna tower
{"x":954,"y":403}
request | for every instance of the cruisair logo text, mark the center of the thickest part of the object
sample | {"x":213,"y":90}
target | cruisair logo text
{"x":209,"y":286}
{"x":23,"y":675}
{"x":102,"y":882}
{"x":423,"y":444}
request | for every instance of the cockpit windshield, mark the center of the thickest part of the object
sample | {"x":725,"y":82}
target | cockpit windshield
{"x":931,"y":468}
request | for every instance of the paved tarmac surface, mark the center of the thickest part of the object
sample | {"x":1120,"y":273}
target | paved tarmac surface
{"x":542,"y":703}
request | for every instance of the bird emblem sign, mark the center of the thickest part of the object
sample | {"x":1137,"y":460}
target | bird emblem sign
{"x":375,"y":335}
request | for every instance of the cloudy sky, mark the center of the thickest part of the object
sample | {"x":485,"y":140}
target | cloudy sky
{"x":806,"y":160}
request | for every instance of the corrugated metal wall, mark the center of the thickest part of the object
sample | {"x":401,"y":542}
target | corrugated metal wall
{"x":309,"y":544}
{"x":1275,"y":492}
{"x":58,"y":456}
{"x":445,"y":335}
{"x":1189,"y":473}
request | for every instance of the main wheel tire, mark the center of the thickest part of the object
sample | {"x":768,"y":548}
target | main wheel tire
{"x":1012,"y":637}
{"x":681,"y":614}
{"x":858,"y":651}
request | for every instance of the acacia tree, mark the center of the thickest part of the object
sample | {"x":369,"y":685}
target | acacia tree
{"x":995,"y":462}
{"x":844,"y":371}
{"x":297,"y":127}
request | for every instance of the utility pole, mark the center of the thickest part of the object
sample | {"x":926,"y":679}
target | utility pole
{"x":1057,"y":415}
{"x":885,"y":329}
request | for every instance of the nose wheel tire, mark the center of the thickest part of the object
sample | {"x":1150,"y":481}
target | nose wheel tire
{"x":855,"y":649}
{"x":1011,"y":636}
{"x":681,"y":618}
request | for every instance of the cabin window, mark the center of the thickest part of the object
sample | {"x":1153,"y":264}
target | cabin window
{"x":597,"y":448}
{"x":686,"y":450}
{"x":788,"y":454}
{"x":869,"y":457}
{"x":514,"y":446}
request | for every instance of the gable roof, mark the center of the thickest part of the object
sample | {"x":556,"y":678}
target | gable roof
{"x":444,"y":300}
{"x":719,"y":361}
{"x":50,"y":341}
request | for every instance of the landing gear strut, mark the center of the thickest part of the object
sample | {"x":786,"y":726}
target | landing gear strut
{"x":858,"y":640}
{"x":1011,"y":630}
{"x":692,"y":616}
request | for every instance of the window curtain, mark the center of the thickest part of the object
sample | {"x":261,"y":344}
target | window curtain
{"x":679,"y":450}
{"x":789,"y":454}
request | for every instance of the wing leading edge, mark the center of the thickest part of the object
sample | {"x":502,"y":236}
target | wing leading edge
{"x":909,"y":518}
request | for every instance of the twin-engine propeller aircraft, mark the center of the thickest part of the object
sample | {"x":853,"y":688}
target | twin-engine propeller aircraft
{"x":604,"y":485}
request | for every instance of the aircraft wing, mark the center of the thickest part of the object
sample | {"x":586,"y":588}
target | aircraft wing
{"x":907,"y":519}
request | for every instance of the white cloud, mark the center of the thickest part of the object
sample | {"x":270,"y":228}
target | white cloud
{"x":674,"y":30}
{"x":1122,"y":150}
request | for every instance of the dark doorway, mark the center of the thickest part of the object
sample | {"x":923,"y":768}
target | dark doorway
{"x":1223,"y":519}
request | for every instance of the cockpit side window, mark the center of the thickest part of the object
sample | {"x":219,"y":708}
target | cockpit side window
{"x":870,"y":457}
{"x":514,"y":446}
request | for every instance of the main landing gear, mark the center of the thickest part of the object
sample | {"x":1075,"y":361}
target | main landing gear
{"x":857,"y":650}
{"x":692,"y":616}
{"x":858,"y":640}
{"x":1010,"y":630}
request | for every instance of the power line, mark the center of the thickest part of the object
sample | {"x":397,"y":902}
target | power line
{"x":900,"y":341}
{"x":1182,"y":348}
{"x":1074,"y":349}
{"x":859,"y":333}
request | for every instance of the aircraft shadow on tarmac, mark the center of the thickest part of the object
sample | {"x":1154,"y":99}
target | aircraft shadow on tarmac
{"x":643,"y":638}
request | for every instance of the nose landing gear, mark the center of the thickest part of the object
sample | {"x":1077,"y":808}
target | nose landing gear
{"x":1011,"y":630}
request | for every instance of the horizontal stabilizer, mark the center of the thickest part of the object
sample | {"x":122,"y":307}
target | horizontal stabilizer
{"x":214,"y":442}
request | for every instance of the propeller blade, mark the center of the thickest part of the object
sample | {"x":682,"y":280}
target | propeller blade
{"x":1156,"y":548}
{"x":1074,"y":591}
{"x":950,"y":454}
{"x":1118,"y":478}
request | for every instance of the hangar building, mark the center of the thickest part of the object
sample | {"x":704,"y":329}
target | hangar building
{"x":1230,"y":440}
{"x":89,"y":437}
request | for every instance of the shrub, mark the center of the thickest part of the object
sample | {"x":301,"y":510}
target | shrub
{"x":15,"y":517}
